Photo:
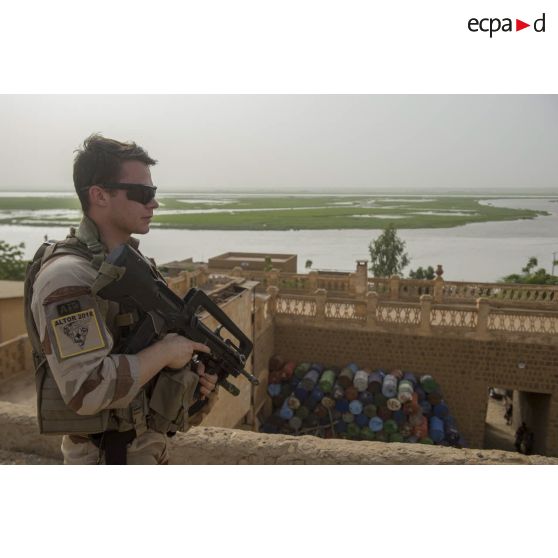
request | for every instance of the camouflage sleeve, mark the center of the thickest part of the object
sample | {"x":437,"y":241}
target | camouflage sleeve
{"x":72,"y":324}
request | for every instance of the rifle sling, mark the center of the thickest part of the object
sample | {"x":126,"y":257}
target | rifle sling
{"x":113,"y":444}
{"x":197,"y":406}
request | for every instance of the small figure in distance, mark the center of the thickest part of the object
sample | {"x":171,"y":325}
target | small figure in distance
{"x":519,"y":435}
{"x":508,"y":415}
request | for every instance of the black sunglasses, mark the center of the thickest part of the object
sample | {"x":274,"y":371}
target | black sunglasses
{"x":135,"y":192}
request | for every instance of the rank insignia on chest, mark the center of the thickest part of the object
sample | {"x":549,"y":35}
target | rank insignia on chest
{"x":77,"y":333}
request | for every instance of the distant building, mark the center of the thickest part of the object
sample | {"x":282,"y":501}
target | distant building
{"x":172,"y":269}
{"x":254,"y":261}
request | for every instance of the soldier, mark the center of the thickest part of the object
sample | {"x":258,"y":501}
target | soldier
{"x":103,"y":402}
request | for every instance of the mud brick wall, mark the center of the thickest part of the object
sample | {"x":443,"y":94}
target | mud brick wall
{"x":464,"y":368}
{"x":230,"y":410}
{"x":15,"y":357}
{"x":263,"y":349}
{"x":12,"y":322}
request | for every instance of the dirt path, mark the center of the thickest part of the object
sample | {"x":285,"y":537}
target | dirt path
{"x":18,"y":458}
{"x":19,"y":389}
{"x":498,"y":435}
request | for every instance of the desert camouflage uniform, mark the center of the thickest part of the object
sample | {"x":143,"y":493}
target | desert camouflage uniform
{"x":78,"y":331}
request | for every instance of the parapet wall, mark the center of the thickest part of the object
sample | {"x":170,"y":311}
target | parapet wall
{"x":394,"y":288}
{"x":12,"y":322}
{"x":220,"y":446}
{"x":15,"y":357}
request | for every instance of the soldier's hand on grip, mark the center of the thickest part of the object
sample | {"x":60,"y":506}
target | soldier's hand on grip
{"x":181,"y":350}
{"x":207,"y":382}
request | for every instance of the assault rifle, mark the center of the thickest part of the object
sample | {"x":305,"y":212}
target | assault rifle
{"x":127,"y":278}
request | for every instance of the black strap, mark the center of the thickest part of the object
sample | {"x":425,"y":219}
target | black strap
{"x":113,"y":444}
{"x":197,"y":406}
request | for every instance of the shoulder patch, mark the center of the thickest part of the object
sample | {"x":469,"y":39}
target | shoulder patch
{"x":77,"y":333}
{"x":65,"y":293}
{"x":68,"y":307}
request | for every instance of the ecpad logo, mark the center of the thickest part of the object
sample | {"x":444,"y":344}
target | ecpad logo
{"x":493,"y":25}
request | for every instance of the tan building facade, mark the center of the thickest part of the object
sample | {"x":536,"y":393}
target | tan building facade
{"x":12,"y":323}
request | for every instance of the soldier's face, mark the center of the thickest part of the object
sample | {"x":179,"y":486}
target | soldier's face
{"x":128,"y":215}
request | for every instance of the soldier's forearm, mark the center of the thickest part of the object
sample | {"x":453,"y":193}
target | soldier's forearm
{"x":152,"y":360}
{"x":114,"y":381}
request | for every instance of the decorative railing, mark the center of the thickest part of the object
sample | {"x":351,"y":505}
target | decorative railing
{"x":460,"y":291}
{"x":481,"y":321}
{"x":379,"y":285}
{"x":400,"y":314}
{"x":453,"y":316}
{"x":295,"y":306}
{"x":394,"y":288}
{"x":335,"y":284}
{"x":345,"y":310}
{"x":293,"y":282}
{"x":413,"y":289}
{"x":523,"y":322}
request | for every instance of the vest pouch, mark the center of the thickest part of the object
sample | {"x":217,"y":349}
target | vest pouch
{"x":172,"y":394}
{"x":133,"y":417}
{"x":55,"y":417}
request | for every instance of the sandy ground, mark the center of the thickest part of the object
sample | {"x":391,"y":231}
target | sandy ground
{"x":18,"y":458}
{"x":21,"y":390}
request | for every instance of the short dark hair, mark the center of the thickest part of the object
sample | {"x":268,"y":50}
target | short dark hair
{"x":100,"y":159}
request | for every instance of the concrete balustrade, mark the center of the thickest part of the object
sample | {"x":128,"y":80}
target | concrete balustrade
{"x":484,"y":321}
{"x":395,"y":288}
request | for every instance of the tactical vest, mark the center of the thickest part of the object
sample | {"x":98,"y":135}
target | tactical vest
{"x":158,"y":405}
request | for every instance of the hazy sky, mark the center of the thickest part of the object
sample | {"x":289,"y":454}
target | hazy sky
{"x":313,"y":143}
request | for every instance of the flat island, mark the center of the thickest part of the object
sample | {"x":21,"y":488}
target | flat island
{"x":281,"y":212}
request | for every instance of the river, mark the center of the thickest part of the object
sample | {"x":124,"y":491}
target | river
{"x":474,"y":252}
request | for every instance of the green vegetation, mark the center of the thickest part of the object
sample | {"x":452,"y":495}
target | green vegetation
{"x":33,"y":203}
{"x":531,"y":276}
{"x":268,"y":265}
{"x":387,"y":254}
{"x":284,"y":212}
{"x":12,"y":264}
{"x":422,"y":273}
